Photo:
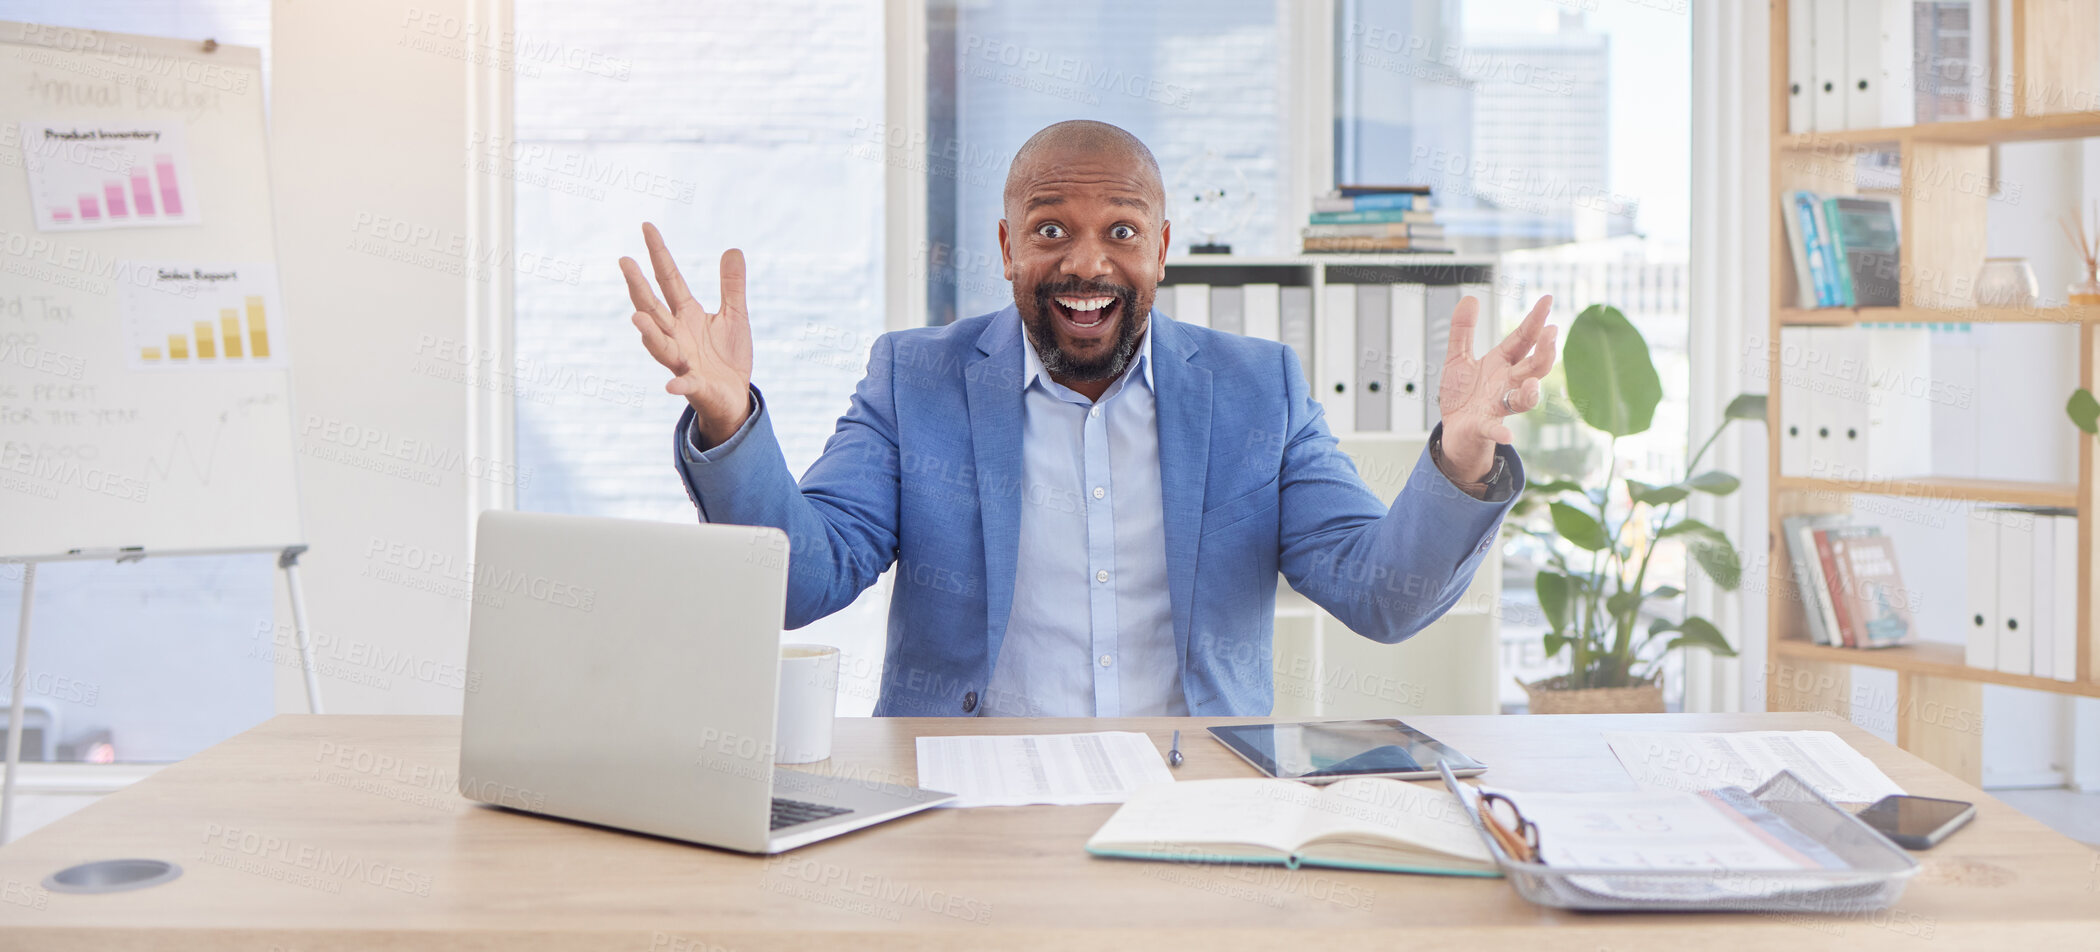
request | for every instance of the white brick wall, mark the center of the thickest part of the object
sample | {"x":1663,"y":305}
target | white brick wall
{"x":729,"y":125}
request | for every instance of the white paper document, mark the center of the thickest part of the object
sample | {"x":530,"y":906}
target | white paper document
{"x":1013,"y":770}
{"x":1662,"y":829}
{"x":1704,"y":761}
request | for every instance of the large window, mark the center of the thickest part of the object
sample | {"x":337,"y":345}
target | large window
{"x":1197,"y":80}
{"x":1559,"y":137}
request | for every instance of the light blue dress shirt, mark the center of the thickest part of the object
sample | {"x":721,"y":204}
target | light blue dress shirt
{"x":1092,"y":629}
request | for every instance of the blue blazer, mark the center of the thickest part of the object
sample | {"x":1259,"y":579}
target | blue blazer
{"x":924,"y":471}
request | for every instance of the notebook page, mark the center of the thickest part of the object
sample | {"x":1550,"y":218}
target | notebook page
{"x":1260,"y":812}
{"x":1425,"y":816}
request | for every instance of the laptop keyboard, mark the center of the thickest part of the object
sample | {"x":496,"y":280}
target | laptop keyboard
{"x":788,"y":812}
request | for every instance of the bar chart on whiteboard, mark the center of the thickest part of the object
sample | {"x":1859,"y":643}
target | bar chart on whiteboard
{"x":192,"y":316}
{"x":93,"y":175}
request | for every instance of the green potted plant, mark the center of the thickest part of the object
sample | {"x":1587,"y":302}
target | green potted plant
{"x":1592,"y":611}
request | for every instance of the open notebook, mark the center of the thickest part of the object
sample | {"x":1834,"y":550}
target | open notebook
{"x":1364,"y":823}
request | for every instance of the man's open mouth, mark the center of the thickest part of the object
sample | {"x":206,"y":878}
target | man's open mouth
{"x":1087,"y":314}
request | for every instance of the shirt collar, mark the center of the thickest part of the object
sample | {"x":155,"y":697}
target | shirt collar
{"x":1032,"y":365}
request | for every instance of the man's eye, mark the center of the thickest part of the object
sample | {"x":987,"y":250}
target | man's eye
{"x":1123,"y":232}
{"x":1050,"y":230}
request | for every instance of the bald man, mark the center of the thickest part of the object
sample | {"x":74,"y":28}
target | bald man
{"x":1088,"y":502}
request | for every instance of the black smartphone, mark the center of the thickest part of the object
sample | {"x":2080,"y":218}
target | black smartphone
{"x":1916,"y":823}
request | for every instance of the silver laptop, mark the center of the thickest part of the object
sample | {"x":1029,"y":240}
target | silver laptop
{"x":625,"y":673}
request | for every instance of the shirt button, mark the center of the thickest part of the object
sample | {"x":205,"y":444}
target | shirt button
{"x":969,"y":702}
{"x":1101,"y":576}
{"x":1094,"y":411}
{"x":1099,"y":492}
{"x":1106,"y":661}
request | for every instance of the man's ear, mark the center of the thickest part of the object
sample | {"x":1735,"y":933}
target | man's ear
{"x":1166,"y":240}
{"x":1006,"y":254}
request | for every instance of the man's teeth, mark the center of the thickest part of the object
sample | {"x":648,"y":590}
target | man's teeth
{"x":1086,"y":304}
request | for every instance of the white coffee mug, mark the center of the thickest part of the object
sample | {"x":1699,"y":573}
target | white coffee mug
{"x":809,"y":692}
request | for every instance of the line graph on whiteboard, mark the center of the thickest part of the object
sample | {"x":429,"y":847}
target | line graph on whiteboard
{"x":197,"y":456}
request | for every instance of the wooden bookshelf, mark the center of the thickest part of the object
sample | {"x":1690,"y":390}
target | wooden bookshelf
{"x":1932,"y":658}
{"x":1841,"y":316}
{"x":1939,"y":698}
{"x":1998,"y":491}
{"x":2067,"y":125}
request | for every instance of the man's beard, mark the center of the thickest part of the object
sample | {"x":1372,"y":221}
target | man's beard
{"x":1133,"y":312}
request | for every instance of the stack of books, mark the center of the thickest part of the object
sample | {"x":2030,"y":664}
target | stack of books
{"x":1375,"y":219}
{"x":1851,"y":589}
{"x":1845,"y":250}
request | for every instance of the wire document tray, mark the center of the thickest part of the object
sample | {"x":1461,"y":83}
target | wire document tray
{"x":1877,"y":873}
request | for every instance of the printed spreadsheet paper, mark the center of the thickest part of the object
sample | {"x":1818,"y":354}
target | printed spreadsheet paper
{"x":1060,"y":769}
{"x":1657,"y":829}
{"x":1704,"y":761}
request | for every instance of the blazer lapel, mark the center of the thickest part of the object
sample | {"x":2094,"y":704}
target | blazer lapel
{"x":1183,"y":401}
{"x":994,"y":392}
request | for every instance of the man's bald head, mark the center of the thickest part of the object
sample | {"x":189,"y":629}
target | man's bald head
{"x":1060,"y":142}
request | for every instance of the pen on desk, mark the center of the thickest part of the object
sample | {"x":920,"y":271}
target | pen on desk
{"x":1174,"y":751}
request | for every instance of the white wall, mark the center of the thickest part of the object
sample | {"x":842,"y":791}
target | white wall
{"x":369,"y":132}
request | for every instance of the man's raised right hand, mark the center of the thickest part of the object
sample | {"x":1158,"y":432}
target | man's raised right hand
{"x":708,"y":354}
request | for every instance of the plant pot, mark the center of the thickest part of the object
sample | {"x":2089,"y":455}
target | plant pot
{"x":1548,"y":697}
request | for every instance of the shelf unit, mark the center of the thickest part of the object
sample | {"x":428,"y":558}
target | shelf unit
{"x":1313,"y":271}
{"x":1321,"y":668}
{"x":1938,"y":703}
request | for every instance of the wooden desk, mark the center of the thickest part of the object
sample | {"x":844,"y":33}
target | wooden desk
{"x":338,"y":832}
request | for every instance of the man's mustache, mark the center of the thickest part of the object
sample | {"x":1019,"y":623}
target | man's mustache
{"x":1044,"y":292}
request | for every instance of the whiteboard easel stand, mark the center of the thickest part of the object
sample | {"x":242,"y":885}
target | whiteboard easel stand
{"x":287,"y":559}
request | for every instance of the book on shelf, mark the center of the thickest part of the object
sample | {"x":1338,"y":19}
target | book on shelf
{"x":1366,"y":243}
{"x":1864,"y":244}
{"x":1877,"y":606}
{"x":1403,"y":201}
{"x":1391,"y":229}
{"x":1952,"y":76}
{"x":1376,"y":216}
{"x":1804,"y":237}
{"x":1839,"y":611}
{"x":1366,"y":823}
{"x":1852,"y":593}
{"x":1357,"y":191}
{"x":1808,"y":571}
{"x":1844,"y":249}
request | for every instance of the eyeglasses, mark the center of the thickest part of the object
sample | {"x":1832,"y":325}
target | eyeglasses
{"x":1518,"y":836}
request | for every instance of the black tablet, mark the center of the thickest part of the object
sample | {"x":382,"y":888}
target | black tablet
{"x":1323,"y":751}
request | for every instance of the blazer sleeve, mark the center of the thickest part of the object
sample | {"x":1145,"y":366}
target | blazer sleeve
{"x":841,"y":521}
{"x":1386,"y":572}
